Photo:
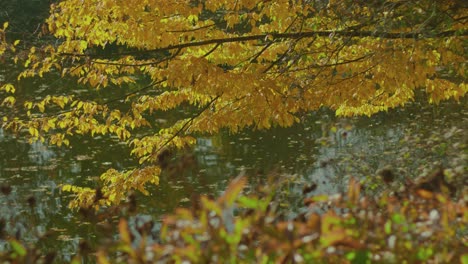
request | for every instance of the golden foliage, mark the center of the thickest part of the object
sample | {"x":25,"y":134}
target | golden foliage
{"x":242,"y":63}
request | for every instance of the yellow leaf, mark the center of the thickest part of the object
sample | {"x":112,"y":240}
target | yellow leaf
{"x":9,"y":101}
{"x":83,"y":44}
{"x":233,"y":190}
{"x":67,"y":188}
{"x":9,"y":88}
{"x":124,"y":232}
{"x":41,"y":106}
{"x":101,"y":257}
{"x":33,"y":131}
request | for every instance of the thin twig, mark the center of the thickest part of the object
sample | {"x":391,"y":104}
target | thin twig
{"x":211,"y":51}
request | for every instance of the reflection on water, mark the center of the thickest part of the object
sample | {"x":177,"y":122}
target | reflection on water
{"x":39,"y":153}
{"x":323,"y":150}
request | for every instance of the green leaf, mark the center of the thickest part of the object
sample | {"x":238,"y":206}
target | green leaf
{"x":358,"y":257}
{"x":388,"y":227}
{"x":464,"y":259}
{"x":425,"y":253}
{"x":248,"y":202}
{"x":398,"y":218}
{"x":18,"y":248}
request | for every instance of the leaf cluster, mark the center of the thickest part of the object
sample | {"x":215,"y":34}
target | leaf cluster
{"x":239,"y":64}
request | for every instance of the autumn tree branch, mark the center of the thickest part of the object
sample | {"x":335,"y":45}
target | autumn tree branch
{"x":282,"y":36}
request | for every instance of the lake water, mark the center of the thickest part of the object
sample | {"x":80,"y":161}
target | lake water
{"x":323,"y":149}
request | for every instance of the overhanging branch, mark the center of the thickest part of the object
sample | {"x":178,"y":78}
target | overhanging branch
{"x":294,"y":35}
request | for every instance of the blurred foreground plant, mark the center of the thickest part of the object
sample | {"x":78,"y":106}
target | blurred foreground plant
{"x":415,"y":226}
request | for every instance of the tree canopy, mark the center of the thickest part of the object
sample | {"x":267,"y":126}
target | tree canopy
{"x":243,"y":63}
